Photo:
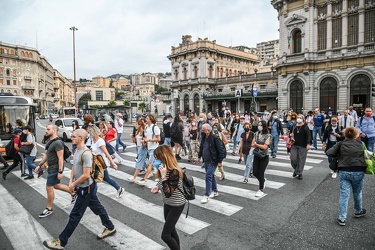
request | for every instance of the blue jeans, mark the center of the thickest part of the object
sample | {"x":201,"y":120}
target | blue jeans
{"x":370,"y":143}
{"x":30,"y":164}
{"x":350,"y":180}
{"x":109,"y":180}
{"x":210,"y":178}
{"x":235,"y":143}
{"x":167,"y":141}
{"x":141,"y":159}
{"x":86,"y":197}
{"x":119,"y":142}
{"x":249,"y":165}
{"x":274,"y":145}
{"x":317,"y":130}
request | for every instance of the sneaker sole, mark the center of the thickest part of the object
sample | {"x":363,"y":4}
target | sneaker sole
{"x":44,"y":215}
{"x":359,"y":215}
{"x":112,"y":233}
{"x":341,"y":223}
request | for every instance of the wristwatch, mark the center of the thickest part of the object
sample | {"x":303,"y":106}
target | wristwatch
{"x":60,"y":172}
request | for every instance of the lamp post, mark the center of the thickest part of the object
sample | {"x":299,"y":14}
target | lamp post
{"x":74,"y":29}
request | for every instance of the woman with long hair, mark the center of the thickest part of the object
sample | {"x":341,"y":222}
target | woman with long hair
{"x":170,"y":183}
{"x":217,"y":130}
{"x":351,"y":167}
{"x":141,"y":150}
{"x":103,"y":129}
{"x":245,"y":146}
{"x":98,"y":147}
{"x":262,"y":141}
{"x":75,"y":126}
{"x":111,"y":137}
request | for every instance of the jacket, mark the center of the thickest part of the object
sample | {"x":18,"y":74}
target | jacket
{"x":217,"y":149}
{"x":350,"y":153}
{"x":279,"y":126}
{"x":329,"y":130}
{"x":349,"y":121}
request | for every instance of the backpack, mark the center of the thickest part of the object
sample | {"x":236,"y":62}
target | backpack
{"x":67,"y":152}
{"x":98,"y":166}
{"x":173,"y":130}
{"x":162,"y":135}
{"x":167,"y":129}
{"x":221,"y":139}
{"x":189,"y":189}
{"x":9,"y":148}
{"x":361,"y":119}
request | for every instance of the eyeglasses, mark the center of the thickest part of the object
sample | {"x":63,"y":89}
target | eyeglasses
{"x":75,"y":136}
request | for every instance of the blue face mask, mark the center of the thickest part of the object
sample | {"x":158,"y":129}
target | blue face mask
{"x":156,"y":163}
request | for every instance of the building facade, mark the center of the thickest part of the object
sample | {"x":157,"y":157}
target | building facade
{"x":24,"y":72}
{"x":268,"y":51}
{"x":63,"y":94}
{"x":102,"y":81}
{"x":327,"y":54}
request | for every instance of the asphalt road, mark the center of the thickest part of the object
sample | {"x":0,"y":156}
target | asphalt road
{"x":294,"y":214}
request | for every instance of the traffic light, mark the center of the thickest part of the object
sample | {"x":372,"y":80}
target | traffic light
{"x":373,"y":90}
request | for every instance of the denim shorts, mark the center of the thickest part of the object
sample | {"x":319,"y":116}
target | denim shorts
{"x":151,"y":157}
{"x":52,"y":179}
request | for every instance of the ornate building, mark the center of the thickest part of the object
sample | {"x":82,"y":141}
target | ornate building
{"x":327,"y":54}
{"x":63,"y":92}
{"x":206,"y":75}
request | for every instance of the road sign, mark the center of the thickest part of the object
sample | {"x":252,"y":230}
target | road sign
{"x":157,"y":101}
{"x":255,"y":93}
{"x":237,"y":93}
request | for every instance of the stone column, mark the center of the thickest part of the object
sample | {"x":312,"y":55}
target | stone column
{"x":344,"y":23}
{"x":361,"y":23}
{"x":329,"y":26}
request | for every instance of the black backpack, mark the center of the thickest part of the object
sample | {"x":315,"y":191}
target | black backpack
{"x":173,"y":130}
{"x":67,"y":152}
{"x":162,"y":135}
{"x":189,"y":190}
{"x":167,"y":129}
{"x":9,"y":148}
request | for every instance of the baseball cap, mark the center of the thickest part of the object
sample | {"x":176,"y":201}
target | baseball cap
{"x":17,"y":130}
{"x":242,"y":117}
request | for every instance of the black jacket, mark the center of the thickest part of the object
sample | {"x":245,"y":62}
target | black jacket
{"x":329,"y":130}
{"x":217,"y":149}
{"x":349,"y":152}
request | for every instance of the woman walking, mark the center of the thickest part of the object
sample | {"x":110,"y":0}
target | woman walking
{"x":245,"y":145}
{"x":216,"y":129}
{"x":261,"y":141}
{"x":98,"y":147}
{"x":194,"y":148}
{"x":170,"y":185}
{"x":30,"y":139}
{"x":300,"y":133}
{"x":141,"y":150}
{"x":75,"y":126}
{"x":111,"y":137}
{"x":351,"y":166}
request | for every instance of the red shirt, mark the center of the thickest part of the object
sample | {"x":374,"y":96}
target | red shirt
{"x":110,"y":134}
{"x":17,"y":141}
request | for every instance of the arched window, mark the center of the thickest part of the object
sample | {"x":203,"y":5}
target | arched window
{"x":195,"y":72}
{"x":186,"y":103}
{"x":221,"y":72}
{"x":22,"y":54}
{"x":297,"y":41}
{"x":185,"y":73}
{"x":196,"y":104}
{"x":328,"y":95}
{"x":296,"y":96}
{"x":230,"y":72}
{"x":360,"y":89}
{"x":176,"y":74}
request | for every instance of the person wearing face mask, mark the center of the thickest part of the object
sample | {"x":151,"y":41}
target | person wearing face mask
{"x":30,"y":157}
{"x":216,"y":128}
{"x":289,"y":126}
{"x":276,"y":129}
{"x":245,"y":146}
{"x":310,"y":122}
{"x":237,"y":134}
{"x":301,"y":135}
{"x":233,"y":126}
{"x":201,"y":120}
{"x":366,"y":127}
{"x":331,"y":136}
{"x":193,"y":133}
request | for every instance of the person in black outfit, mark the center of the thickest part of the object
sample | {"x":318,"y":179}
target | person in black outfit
{"x":3,"y":161}
{"x":177,"y":136}
{"x":167,"y":121}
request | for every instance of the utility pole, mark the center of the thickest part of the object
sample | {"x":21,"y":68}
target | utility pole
{"x":74,"y":29}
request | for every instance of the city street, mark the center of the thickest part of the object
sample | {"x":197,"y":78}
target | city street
{"x":294,"y":214}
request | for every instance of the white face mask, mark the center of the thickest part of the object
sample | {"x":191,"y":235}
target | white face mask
{"x":275,"y":117}
{"x":299,"y":120}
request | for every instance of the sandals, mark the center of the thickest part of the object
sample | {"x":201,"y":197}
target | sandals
{"x":222,"y":177}
{"x":245,"y":181}
{"x":251,"y":175}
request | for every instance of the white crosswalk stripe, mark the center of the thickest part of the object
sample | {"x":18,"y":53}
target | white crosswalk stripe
{"x":278,"y":174}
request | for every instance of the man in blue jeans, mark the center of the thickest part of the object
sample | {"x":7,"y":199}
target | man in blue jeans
{"x":86,"y":189}
{"x":119,"y":125}
{"x":318,"y":123}
{"x":366,"y":127}
{"x":212,"y":151}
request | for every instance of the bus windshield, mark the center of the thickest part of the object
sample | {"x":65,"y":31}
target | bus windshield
{"x":68,"y":112}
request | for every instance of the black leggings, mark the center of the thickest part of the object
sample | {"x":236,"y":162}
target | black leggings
{"x":169,"y":234}
{"x":16,"y":161}
{"x":259,"y":167}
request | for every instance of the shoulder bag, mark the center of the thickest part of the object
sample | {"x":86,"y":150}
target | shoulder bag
{"x":259,"y":152}
{"x":334,"y":164}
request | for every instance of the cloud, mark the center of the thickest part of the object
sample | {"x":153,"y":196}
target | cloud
{"x":130,"y":36}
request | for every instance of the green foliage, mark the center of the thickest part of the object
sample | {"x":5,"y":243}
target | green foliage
{"x":142,"y":106}
{"x":112,"y":103}
{"x":126,"y":103}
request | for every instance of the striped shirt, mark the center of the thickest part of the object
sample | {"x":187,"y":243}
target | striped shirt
{"x":170,"y":189}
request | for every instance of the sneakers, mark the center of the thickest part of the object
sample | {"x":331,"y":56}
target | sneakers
{"x":120,"y":192}
{"x":259,"y":193}
{"x":4,"y":175}
{"x":24,"y":175}
{"x":213,"y":194}
{"x":245,"y":181}
{"x":340,"y":222}
{"x":143,"y":172}
{"x":361,"y":214}
{"x":295,"y":175}
{"x":54,"y":244}
{"x":273,"y":156}
{"x":74,"y":198}
{"x":29,"y":177}
{"x":142,"y":182}
{"x":123,"y":149}
{"x":205,"y":199}
{"x":300,"y":177}
{"x":233,"y":153}
{"x":334,"y":175}
{"x":40,"y":173}
{"x":239,"y":161}
{"x":106,"y":232}
{"x":45,"y":213}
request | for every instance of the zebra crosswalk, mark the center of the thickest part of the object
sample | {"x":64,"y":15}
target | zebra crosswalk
{"x":141,"y":202}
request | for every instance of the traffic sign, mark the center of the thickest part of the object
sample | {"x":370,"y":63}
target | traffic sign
{"x":237,"y":93}
{"x":255,"y":93}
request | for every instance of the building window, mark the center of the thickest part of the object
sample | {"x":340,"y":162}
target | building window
{"x":322,"y":35}
{"x":7,"y":72}
{"x":328,"y":94}
{"x":195,"y":72}
{"x":176,"y":74}
{"x":353,"y":29}
{"x":360,"y":89}
{"x":196,"y":104}
{"x":336,"y":32}
{"x":297,"y":41}
{"x":14,"y":72}
{"x":296,"y":96}
{"x":185,"y":74}
{"x":8,"y":82}
{"x":186,"y":103}
{"x":370,"y":25}
{"x":1,"y":81}
{"x":15,"y":82}
{"x":99,"y":95}
{"x":210,"y":69}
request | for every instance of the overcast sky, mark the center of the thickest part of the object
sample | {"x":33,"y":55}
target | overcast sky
{"x":130,"y":36}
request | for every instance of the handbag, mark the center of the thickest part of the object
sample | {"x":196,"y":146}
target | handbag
{"x":26,"y":149}
{"x":259,"y":153}
{"x":111,"y":150}
{"x":334,"y":164}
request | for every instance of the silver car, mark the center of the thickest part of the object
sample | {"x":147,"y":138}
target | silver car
{"x":65,"y":126}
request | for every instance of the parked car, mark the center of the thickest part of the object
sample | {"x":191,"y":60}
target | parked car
{"x":66,"y":128}
{"x":42,"y":117}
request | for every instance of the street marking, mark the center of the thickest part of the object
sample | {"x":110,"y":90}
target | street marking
{"x":188,"y":225}
{"x":20,"y":227}
{"x":125,"y":237}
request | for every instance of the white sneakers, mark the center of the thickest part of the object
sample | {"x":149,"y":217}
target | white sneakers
{"x":334,"y":175}
{"x":205,"y":198}
{"x":259,"y":193}
{"x":214,"y":194}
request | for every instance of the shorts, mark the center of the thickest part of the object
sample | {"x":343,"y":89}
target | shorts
{"x":52,"y":179}
{"x":151,"y":157}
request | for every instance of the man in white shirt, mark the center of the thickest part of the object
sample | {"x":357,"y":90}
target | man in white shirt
{"x":354,"y":114}
{"x":152,"y":137}
{"x":347,"y":120}
{"x":119,"y":125}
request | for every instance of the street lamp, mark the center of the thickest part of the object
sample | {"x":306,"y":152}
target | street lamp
{"x":74,"y":29}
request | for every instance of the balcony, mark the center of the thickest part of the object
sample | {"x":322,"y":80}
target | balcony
{"x":28,"y":87}
{"x":28,"y":78}
{"x":55,"y":87}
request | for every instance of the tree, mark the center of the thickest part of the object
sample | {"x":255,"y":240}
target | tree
{"x":84,"y":100}
{"x":112,"y":103}
{"x":126,"y":103}
{"x":142,"y":106}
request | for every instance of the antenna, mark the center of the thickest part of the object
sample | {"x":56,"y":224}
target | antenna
{"x":36,"y":38}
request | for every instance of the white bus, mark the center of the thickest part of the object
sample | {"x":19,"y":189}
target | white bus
{"x":68,"y":113}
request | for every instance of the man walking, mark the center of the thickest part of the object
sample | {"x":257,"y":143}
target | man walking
{"x":347,"y":120}
{"x":55,"y":159}
{"x":366,"y":127}
{"x":318,"y":123}
{"x":81,"y":181}
{"x":275,"y":127}
{"x":213,"y":153}
{"x":354,"y":114}
{"x":16,"y":157}
{"x":119,"y":125}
